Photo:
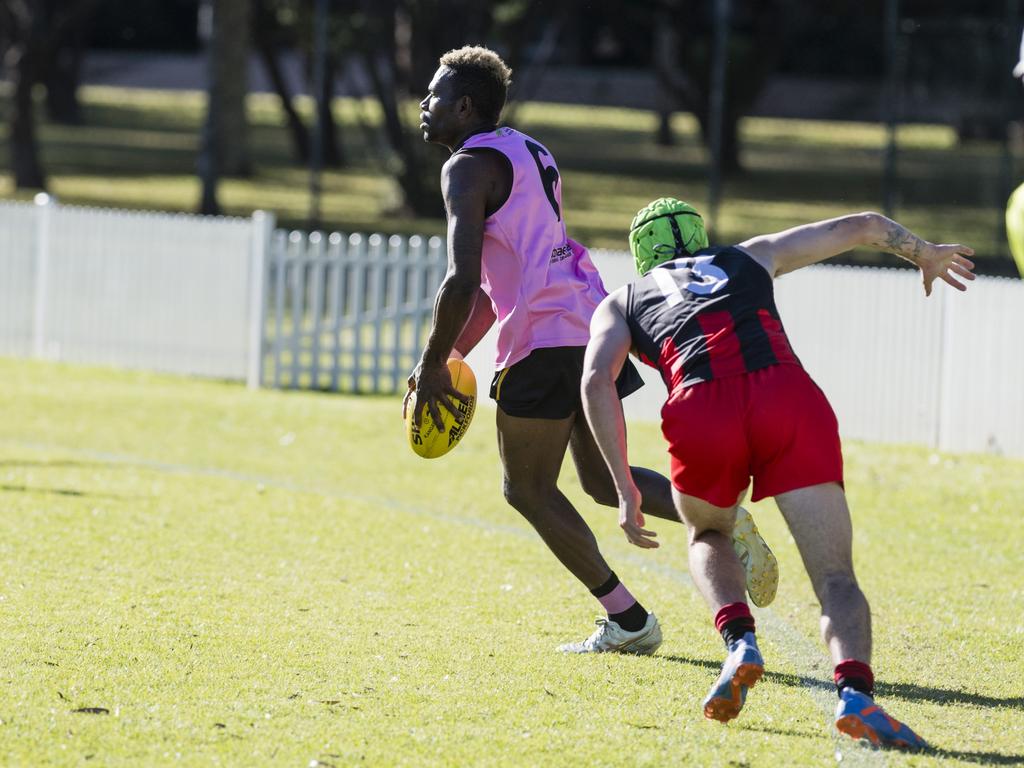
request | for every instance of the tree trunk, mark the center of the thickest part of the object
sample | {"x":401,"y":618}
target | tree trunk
{"x":231,"y":27}
{"x":63,"y":74}
{"x":35,"y":32}
{"x":666,"y":43}
{"x":263,"y":26}
{"x":24,"y":57}
{"x":730,"y":149}
{"x":329,"y":143}
{"x":730,"y":146}
{"x":62,"y":104}
{"x":208,"y":164}
{"x":664,"y":136}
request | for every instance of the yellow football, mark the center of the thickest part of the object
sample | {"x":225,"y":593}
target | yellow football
{"x":425,"y":439}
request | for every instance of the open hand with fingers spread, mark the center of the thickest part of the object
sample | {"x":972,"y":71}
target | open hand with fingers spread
{"x":631,"y":520}
{"x":945,"y":262}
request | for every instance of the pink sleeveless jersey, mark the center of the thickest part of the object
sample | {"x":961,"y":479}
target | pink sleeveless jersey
{"x":543,"y":286}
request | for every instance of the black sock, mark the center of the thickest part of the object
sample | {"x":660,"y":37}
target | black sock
{"x":607,"y":587}
{"x":737,"y":628}
{"x":857,"y":683}
{"x":851,"y":673}
{"x":633,"y":618}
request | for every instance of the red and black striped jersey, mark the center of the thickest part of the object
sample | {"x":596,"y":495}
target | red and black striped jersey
{"x":707,"y":316}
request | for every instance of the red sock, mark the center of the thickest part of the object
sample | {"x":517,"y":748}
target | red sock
{"x":730,"y":612}
{"x":733,"y":621}
{"x":851,"y":673}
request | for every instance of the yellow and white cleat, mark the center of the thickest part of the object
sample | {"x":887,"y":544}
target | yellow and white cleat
{"x":759,"y":564}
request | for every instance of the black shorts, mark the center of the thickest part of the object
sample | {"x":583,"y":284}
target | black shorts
{"x":546,"y":384}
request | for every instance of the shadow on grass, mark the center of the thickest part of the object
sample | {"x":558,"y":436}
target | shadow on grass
{"x":905,"y":691}
{"x":981,"y":758}
{"x":895,"y":690}
{"x":807,"y":734}
{"x":9,"y":488}
{"x":911,"y":692}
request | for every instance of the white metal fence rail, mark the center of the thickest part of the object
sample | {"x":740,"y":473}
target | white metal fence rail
{"x":18,"y":235}
{"x":946,"y":371}
{"x":237,"y":299}
{"x":142,"y":290}
{"x":348,"y":312}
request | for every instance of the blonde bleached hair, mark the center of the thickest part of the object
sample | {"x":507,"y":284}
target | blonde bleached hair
{"x":480,"y":74}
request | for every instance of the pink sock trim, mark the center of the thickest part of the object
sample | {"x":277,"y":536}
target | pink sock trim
{"x":618,"y":600}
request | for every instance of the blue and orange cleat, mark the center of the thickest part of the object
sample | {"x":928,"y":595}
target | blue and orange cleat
{"x":858,"y":716}
{"x":742,"y":668}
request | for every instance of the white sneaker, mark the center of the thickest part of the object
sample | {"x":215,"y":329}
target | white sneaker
{"x":759,"y":564}
{"x":610,"y":637}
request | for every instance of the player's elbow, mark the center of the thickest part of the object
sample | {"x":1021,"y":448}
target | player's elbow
{"x":596,"y":381}
{"x":870,"y":226}
{"x":460,"y":286}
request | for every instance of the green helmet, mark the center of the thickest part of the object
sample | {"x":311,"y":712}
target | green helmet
{"x":664,"y":230}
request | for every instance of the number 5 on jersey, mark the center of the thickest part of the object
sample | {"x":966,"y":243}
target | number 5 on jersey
{"x":696,"y":275}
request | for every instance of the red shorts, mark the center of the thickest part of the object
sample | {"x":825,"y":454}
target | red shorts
{"x":774,"y":425}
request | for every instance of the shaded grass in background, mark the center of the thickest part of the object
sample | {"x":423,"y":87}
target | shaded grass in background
{"x":268,"y":578}
{"x":138,"y":149}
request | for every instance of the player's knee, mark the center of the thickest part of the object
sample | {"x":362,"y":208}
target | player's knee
{"x":601,"y":491}
{"x":703,"y":523}
{"x":524,"y":497}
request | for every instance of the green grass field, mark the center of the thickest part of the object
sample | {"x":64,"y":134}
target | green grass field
{"x":196,"y":574}
{"x":138,"y":150}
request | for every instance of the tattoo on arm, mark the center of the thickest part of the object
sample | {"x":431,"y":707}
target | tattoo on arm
{"x":902,"y":242}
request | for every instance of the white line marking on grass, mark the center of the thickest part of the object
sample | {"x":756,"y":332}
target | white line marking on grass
{"x":810,"y":664}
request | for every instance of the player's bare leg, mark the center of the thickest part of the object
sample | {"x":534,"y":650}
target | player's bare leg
{"x":718,"y":575}
{"x":761,"y":570}
{"x":819,"y":519}
{"x":597,"y":483}
{"x":714,"y":565}
{"x":532,"y":451}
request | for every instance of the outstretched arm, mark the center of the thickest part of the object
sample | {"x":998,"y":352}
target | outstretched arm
{"x":801,"y":246}
{"x":607,"y":351}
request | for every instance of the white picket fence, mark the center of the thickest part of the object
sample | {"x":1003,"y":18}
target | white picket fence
{"x":348,"y":312}
{"x":237,"y":299}
{"x":163,"y":292}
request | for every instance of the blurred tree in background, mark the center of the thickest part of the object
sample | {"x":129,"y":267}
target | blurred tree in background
{"x":274,"y":31}
{"x":683,"y":34}
{"x":388,"y":49}
{"x":43,"y":39}
{"x":224,"y":149}
{"x":397,"y":43}
{"x":146,"y":25}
